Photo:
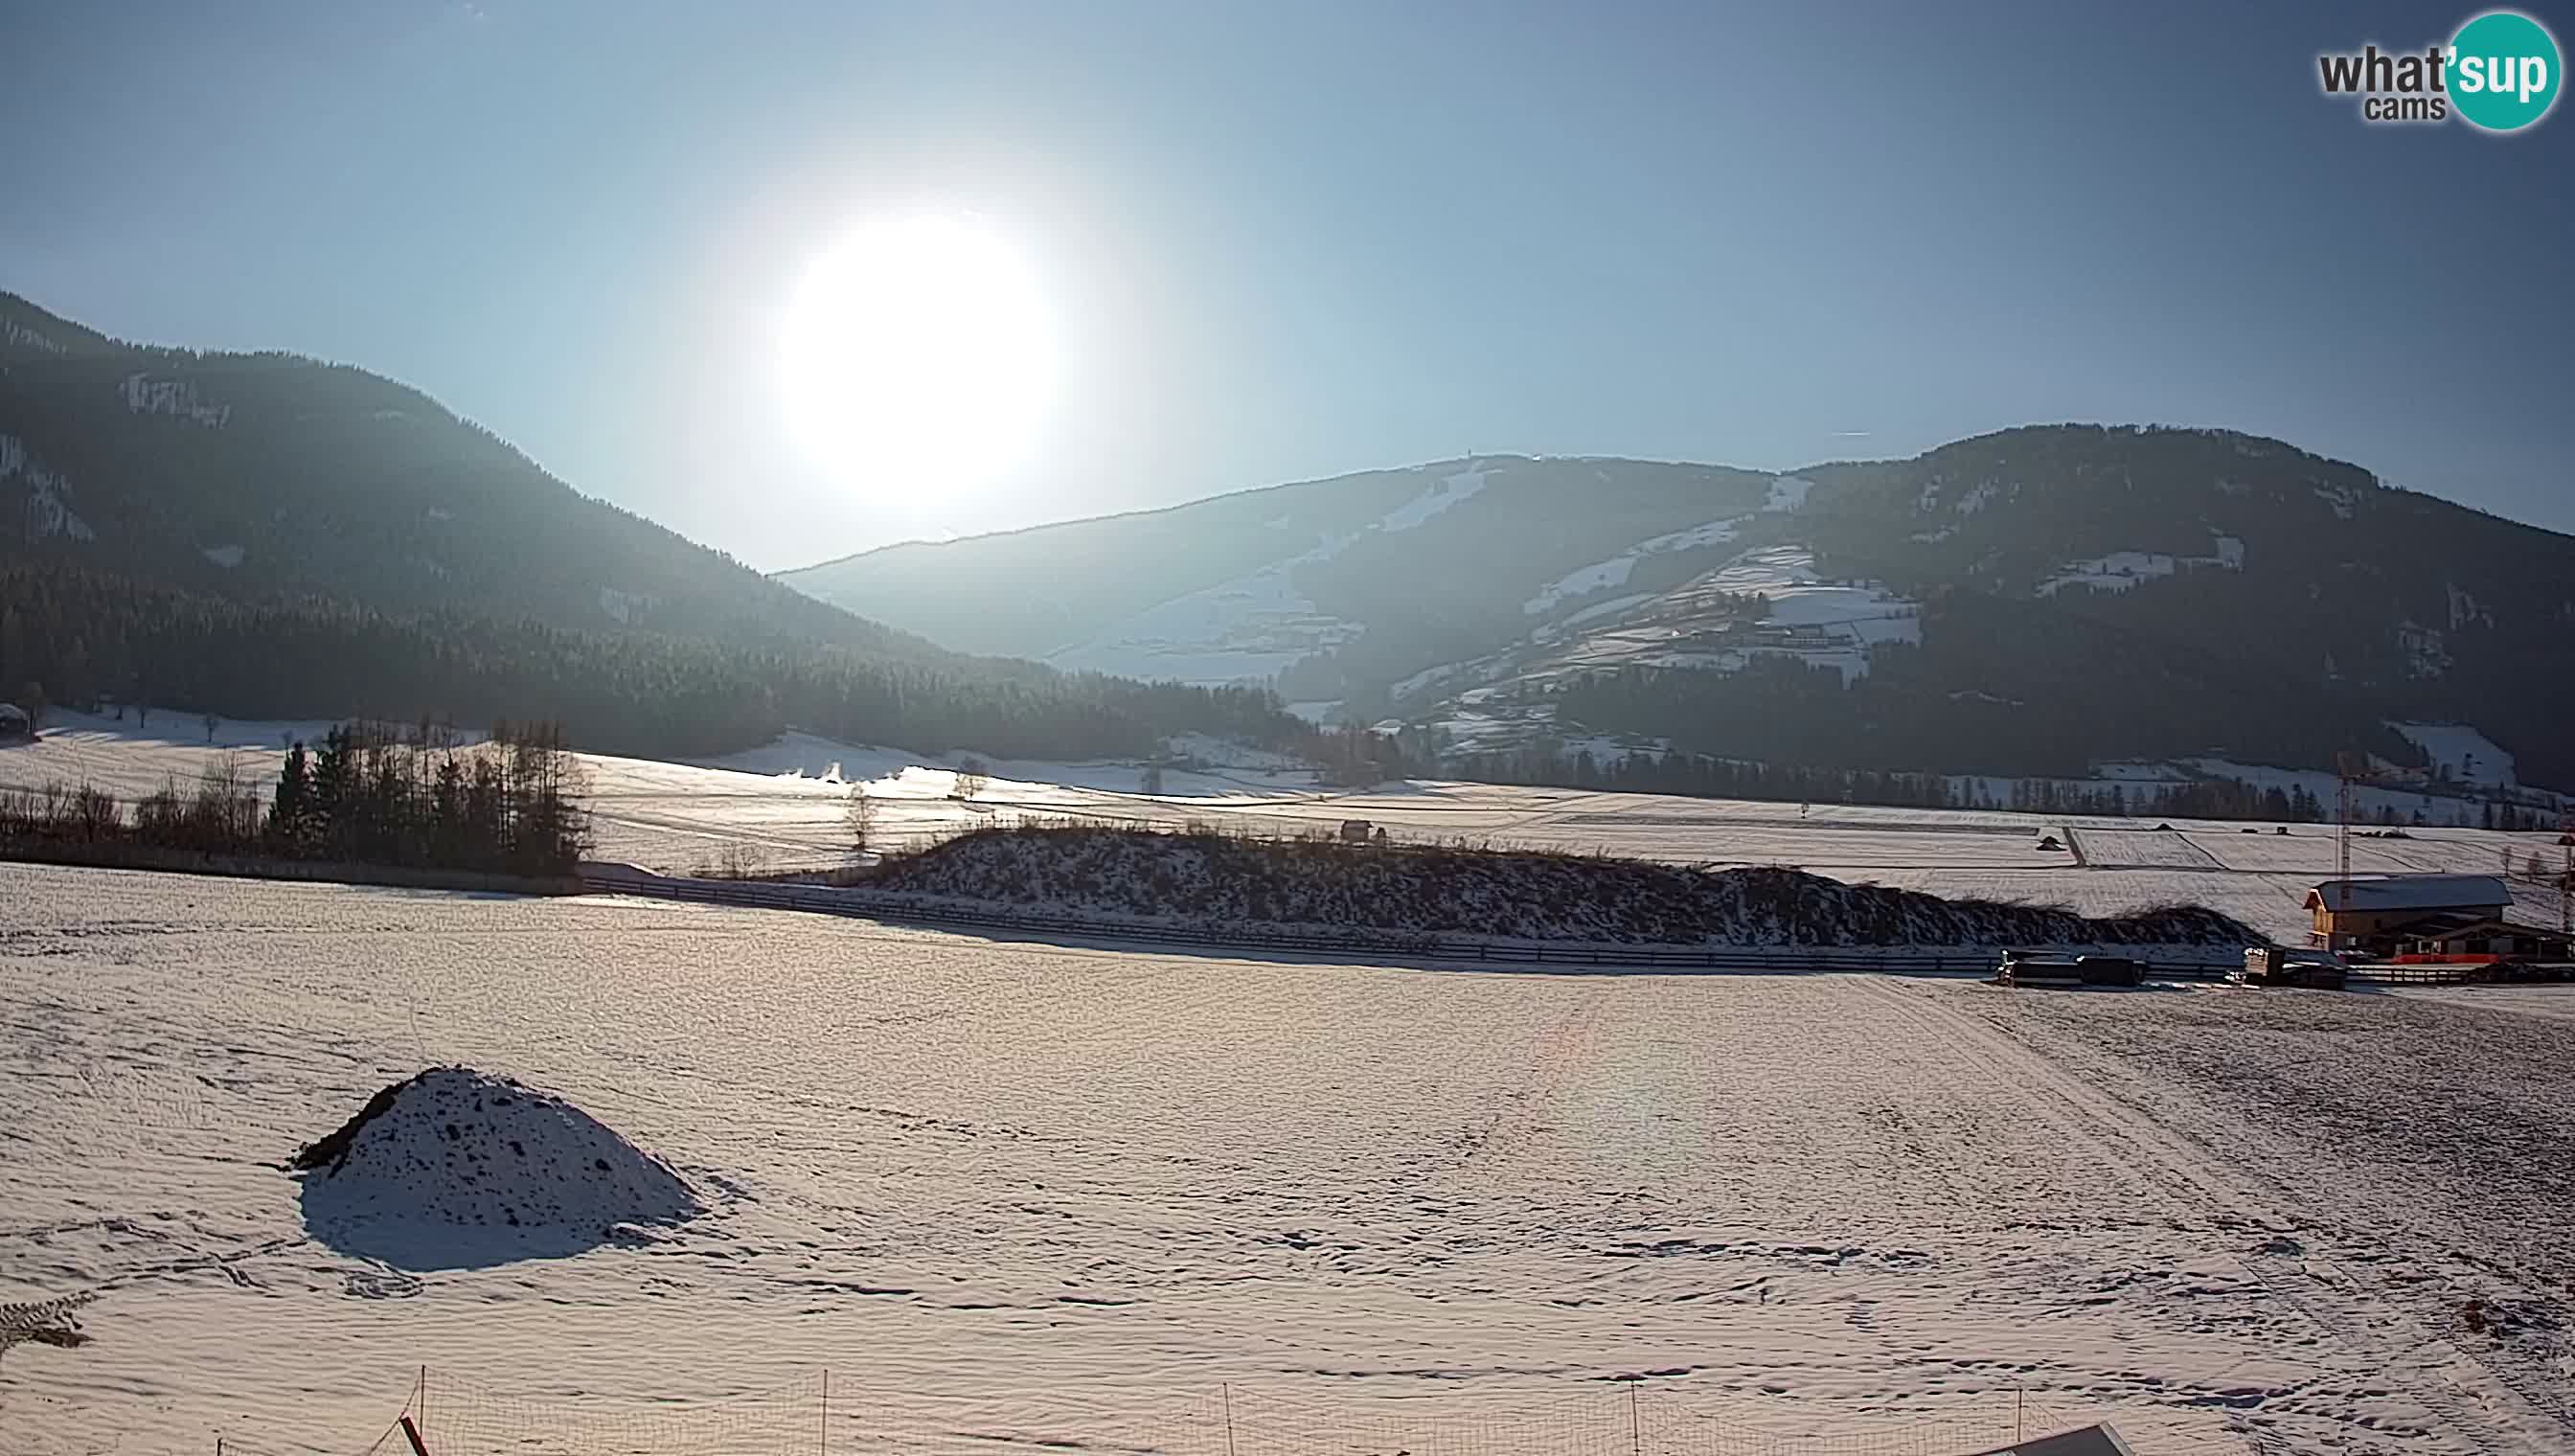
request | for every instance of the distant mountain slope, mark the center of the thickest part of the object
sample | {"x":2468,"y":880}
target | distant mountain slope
{"x":265,"y":473}
{"x":2028,"y":602}
{"x":1243,"y":585}
{"x":268,"y":536}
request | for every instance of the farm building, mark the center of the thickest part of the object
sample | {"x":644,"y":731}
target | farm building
{"x":2099,"y":1440}
{"x":2362,"y":914}
{"x":2462,"y":937}
{"x":14,"y":724}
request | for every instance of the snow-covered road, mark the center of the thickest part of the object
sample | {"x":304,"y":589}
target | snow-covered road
{"x":1012,"y":1193}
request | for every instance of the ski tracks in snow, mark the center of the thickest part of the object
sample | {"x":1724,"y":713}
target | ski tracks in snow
{"x":2202,"y":1193}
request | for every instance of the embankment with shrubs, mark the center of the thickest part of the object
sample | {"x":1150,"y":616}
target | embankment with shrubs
{"x":1202,"y":877}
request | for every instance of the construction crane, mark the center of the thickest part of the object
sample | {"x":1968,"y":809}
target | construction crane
{"x":2566,"y":874}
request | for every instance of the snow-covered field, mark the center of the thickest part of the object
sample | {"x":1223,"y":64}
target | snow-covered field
{"x":781,"y":806}
{"x":2461,"y":751}
{"x":1013,"y":1193}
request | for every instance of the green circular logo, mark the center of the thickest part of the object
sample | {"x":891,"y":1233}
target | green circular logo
{"x":2503,"y":70}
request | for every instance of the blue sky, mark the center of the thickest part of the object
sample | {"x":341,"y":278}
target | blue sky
{"x":1285,"y":241}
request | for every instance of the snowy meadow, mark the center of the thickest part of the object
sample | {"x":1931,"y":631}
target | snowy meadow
{"x":782,"y":806}
{"x":1013,"y":1193}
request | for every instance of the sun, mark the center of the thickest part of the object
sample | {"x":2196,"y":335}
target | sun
{"x":918,"y":352}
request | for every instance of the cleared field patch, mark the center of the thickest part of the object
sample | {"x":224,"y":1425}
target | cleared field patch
{"x":2306,"y":849}
{"x":1826,"y":849}
{"x":2141,"y":849}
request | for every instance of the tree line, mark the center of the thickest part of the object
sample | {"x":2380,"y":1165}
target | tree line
{"x":76,"y":637}
{"x":367,"y":794}
{"x":1702,"y":777}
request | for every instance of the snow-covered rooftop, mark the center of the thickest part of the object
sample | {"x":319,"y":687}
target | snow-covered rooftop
{"x":2411,"y":892}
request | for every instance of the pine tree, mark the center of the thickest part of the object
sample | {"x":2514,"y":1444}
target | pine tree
{"x":447,"y":835}
{"x":288,"y":818}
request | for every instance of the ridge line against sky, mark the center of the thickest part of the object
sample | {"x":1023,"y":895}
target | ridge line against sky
{"x":1283,"y":247}
{"x":1428,"y":465}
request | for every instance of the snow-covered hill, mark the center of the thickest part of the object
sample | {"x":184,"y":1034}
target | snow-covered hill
{"x":2034,"y":602}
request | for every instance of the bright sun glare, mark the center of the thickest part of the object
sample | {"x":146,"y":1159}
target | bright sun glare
{"x":918,"y":352}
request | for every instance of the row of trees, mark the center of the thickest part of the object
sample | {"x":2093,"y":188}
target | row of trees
{"x":367,"y":794}
{"x":382,"y":796}
{"x":1354,"y":757}
{"x":1704,"y":776}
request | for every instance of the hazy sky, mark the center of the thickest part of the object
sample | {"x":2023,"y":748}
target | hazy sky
{"x":1280,"y":241}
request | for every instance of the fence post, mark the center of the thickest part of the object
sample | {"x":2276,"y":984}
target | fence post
{"x":1227,"y":1391}
{"x":827,"y":1411}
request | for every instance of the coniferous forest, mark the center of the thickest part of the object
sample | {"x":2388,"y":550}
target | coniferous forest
{"x":74,"y":636}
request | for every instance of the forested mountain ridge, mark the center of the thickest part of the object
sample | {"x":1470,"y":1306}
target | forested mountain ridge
{"x":247,"y":474}
{"x":2033,"y":601}
{"x":270,"y":536}
{"x":2304,"y":599}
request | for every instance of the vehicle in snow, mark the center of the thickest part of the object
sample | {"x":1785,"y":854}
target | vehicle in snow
{"x":2285,"y":965}
{"x":2023,"y":968}
{"x":2109,"y":971}
{"x":1356,"y":831}
{"x":2028,"y":969}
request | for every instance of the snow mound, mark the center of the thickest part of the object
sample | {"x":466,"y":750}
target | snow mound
{"x":435,"y":1170}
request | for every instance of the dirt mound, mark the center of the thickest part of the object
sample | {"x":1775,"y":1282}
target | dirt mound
{"x":460,"y":1149}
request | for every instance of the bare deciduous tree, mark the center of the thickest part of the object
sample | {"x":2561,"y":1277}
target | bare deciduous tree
{"x":859,"y":812}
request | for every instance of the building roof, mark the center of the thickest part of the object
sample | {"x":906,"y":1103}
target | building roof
{"x":2410,"y":892}
{"x":2099,"y":1440}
